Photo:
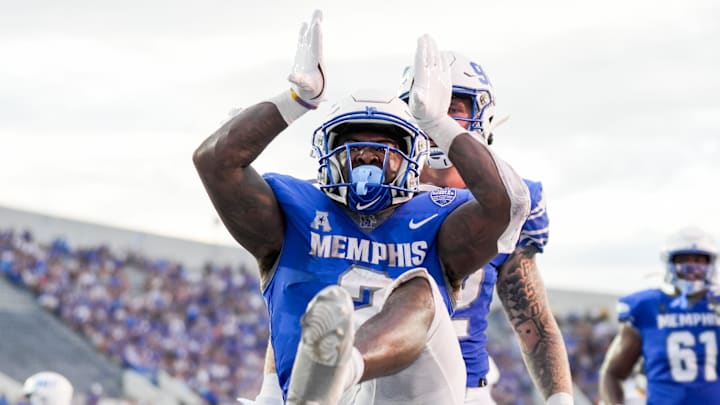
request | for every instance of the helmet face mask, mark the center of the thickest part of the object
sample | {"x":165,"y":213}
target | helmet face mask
{"x":345,"y":132}
{"x":399,"y":145}
{"x":482,"y":106}
{"x":690,"y":257}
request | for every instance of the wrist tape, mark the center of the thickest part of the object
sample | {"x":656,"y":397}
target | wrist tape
{"x":291,"y":106}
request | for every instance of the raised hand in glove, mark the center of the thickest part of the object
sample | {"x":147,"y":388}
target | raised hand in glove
{"x":431,"y":92}
{"x":308,"y":72}
{"x":307,"y":78}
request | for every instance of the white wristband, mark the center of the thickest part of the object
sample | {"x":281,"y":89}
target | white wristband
{"x":560,"y":398}
{"x":290,"y":106}
{"x":443,"y":132}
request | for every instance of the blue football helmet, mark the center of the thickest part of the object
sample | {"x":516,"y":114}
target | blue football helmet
{"x":689,"y":278}
{"x":469,"y":80}
{"x":365,"y":189}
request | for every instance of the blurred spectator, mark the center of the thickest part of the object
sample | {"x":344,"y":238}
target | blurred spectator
{"x":94,"y":394}
{"x":150,"y":314}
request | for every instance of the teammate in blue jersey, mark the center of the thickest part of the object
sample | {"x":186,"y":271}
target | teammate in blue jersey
{"x":358,"y":271}
{"x":674,"y":328}
{"x":519,"y":284}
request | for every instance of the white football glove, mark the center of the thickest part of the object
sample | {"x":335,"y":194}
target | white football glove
{"x":308,"y":71}
{"x":432,"y":89}
{"x":307,"y":78}
{"x":431,"y":92}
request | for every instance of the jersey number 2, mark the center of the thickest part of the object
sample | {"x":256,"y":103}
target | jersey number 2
{"x":469,"y":293}
{"x":367,"y":288}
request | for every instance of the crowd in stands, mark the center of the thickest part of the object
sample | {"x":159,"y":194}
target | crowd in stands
{"x":209,"y":327}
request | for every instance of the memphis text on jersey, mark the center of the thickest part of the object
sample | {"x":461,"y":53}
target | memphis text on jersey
{"x":681,"y":320}
{"x":409,"y":254}
{"x":336,"y":246}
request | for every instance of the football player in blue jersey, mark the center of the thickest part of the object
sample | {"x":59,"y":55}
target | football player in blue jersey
{"x":519,"y":284}
{"x":674,"y":328}
{"x":359,"y":270}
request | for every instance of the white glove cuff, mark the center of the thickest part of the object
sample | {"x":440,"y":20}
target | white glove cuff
{"x":560,"y":398}
{"x":443,"y":132}
{"x":291,"y":106}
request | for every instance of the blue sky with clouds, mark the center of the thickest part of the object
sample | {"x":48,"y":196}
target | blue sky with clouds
{"x":613,"y":106}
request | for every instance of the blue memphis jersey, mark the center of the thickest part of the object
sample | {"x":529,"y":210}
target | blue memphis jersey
{"x":324,"y":246}
{"x":679,"y":347}
{"x":473,"y":307}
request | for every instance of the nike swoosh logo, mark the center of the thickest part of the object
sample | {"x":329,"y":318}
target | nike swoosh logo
{"x":416,"y":225}
{"x":361,"y":207}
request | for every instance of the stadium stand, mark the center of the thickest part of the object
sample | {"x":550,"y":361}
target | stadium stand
{"x":34,"y":340}
{"x":205,"y":328}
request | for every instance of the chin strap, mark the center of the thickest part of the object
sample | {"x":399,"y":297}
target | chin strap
{"x":682,"y":300}
{"x":437,"y":159}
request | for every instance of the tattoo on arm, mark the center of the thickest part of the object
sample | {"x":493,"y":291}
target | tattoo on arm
{"x":522,"y":293}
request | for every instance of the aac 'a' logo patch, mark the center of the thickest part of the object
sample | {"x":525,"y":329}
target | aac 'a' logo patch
{"x":443,"y":196}
{"x":321,"y":222}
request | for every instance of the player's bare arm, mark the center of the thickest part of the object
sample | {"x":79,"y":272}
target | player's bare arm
{"x":244,"y":201}
{"x":623,"y":353}
{"x":522,"y":293}
{"x":269,"y":367}
{"x":468,"y":237}
{"x":391,"y":340}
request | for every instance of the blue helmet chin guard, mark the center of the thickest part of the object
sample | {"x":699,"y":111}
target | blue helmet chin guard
{"x":368,"y":190}
{"x":365,"y":189}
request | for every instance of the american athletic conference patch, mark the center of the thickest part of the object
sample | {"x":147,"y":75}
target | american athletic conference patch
{"x":443,"y":196}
